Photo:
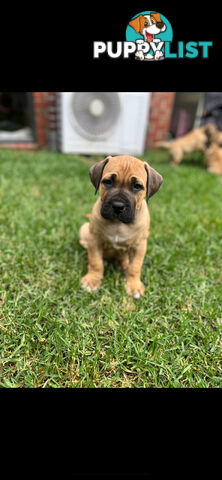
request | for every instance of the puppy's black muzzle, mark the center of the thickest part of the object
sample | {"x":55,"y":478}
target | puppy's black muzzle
{"x":120,"y":207}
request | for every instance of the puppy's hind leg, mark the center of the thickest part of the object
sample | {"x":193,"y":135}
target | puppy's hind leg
{"x":83,"y":235}
{"x":176,"y":157}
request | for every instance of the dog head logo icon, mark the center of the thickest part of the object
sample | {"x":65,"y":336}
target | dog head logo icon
{"x":149,"y":30}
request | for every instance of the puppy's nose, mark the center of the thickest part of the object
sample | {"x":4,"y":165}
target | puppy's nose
{"x":117,"y":205}
{"x":159,"y":24}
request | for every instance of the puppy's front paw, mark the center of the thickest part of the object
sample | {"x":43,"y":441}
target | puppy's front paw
{"x":158,"y":54}
{"x":90,"y":282}
{"x":140,"y":55}
{"x":134,"y":288}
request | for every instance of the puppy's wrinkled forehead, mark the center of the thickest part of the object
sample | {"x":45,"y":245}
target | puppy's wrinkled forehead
{"x":125,"y":166}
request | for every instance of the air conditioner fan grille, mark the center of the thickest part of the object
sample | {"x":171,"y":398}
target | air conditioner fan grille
{"x":95,"y":113}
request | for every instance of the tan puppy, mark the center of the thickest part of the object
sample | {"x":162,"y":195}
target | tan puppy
{"x":194,"y":140}
{"x":213,"y":153}
{"x":120,"y":220}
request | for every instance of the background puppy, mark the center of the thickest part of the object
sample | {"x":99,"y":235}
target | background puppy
{"x":213,"y":153}
{"x":120,"y":220}
{"x":195,"y":140}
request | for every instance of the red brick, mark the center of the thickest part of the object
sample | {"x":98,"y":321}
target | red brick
{"x":18,"y":146}
{"x":159,"y":117}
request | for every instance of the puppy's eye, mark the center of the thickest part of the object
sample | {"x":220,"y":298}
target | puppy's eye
{"x":107,"y":182}
{"x":137,"y":187}
{"x":146,"y":24}
{"x":152,"y":21}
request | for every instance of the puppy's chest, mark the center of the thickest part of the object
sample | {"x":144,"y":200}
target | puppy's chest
{"x":117,"y":242}
{"x":118,"y":238}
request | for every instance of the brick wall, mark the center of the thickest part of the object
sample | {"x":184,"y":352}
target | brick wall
{"x":40,"y":112}
{"x":159,"y":117}
{"x":45,"y":119}
{"x":19,"y":146}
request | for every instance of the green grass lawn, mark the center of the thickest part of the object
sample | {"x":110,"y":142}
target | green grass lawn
{"x":55,"y":334}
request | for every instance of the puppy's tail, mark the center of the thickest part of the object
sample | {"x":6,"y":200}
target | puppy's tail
{"x":162,"y":145}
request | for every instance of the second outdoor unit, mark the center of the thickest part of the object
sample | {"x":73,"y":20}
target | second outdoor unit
{"x":103,"y":122}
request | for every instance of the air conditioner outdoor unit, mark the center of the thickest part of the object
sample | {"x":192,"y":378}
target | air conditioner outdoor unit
{"x":103,"y":122}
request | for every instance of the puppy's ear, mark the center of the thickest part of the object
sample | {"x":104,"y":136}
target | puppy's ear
{"x":154,"y":180}
{"x":156,"y":17}
{"x":135,"y":24}
{"x":96,"y":172}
